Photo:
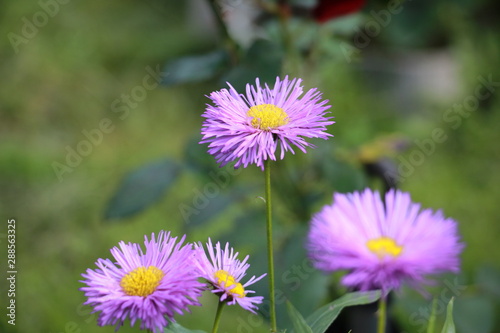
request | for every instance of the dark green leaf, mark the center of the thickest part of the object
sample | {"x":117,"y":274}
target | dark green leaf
{"x":195,"y":68}
{"x":322,"y":318}
{"x":449,"y":326}
{"x":299,"y":323}
{"x":207,"y":208}
{"x":141,"y":188}
{"x":263,"y":60}
{"x":302,"y":284}
{"x":176,"y":328}
{"x":198,"y":160}
{"x":342,"y":176}
{"x":248,"y":229}
{"x":209,"y":201}
{"x":413,"y":27}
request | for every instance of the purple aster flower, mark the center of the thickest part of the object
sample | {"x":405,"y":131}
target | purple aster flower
{"x":248,"y":128}
{"x":224,"y":272}
{"x":382,"y":246}
{"x":149,"y":286}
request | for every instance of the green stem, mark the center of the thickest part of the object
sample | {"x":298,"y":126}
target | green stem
{"x":217,"y":316}
{"x":272,"y":310}
{"x":382,"y":314}
{"x":230,"y":42}
{"x":432,"y":319}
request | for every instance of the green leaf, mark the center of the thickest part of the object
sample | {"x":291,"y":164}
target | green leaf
{"x":198,"y":160}
{"x":141,"y":188}
{"x":302,"y":284}
{"x":449,"y":326}
{"x":176,"y":328}
{"x":210,"y":200}
{"x":299,"y":323}
{"x":195,"y":68}
{"x":322,"y":318}
{"x":244,"y":232}
{"x":263,"y":60}
{"x":208,"y":207}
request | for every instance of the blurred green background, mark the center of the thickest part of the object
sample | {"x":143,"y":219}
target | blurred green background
{"x":62,"y":78}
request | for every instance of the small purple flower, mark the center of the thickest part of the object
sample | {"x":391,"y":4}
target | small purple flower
{"x":224,"y":272}
{"x":248,"y":128}
{"x":150,"y":287}
{"x":382,"y":246}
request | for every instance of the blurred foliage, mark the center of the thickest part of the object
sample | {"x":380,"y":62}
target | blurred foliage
{"x":195,"y":68}
{"x":322,"y":318}
{"x":141,"y":188}
{"x":176,"y":328}
{"x":85,"y":64}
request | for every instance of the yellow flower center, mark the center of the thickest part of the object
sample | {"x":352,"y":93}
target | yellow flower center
{"x":384,"y":246}
{"x":228,"y":279}
{"x":141,"y":281}
{"x":267,"y":116}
